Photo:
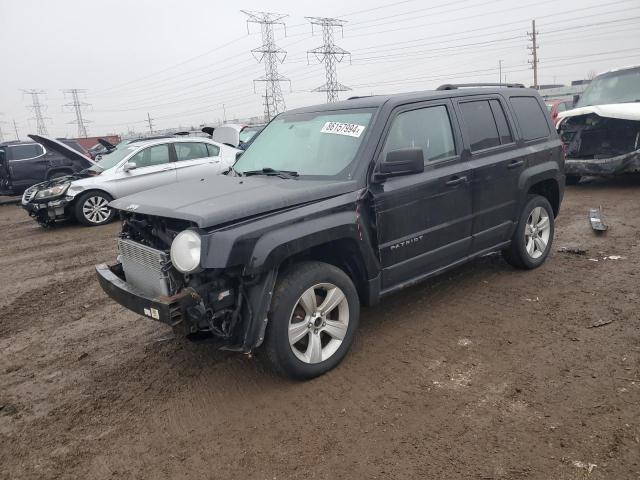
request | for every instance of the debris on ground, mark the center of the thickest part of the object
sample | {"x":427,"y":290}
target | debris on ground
{"x":600,"y":323}
{"x":587,"y":466}
{"x":597,"y":219}
{"x":573,"y":250}
{"x":613,"y":257}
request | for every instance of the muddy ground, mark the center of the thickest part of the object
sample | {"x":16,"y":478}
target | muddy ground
{"x":484,"y":373}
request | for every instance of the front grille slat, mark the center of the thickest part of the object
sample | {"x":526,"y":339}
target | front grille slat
{"x":141,"y":254}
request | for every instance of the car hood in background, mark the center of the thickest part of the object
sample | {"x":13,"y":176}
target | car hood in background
{"x":220,"y":199}
{"x":622,"y":111}
{"x":62,"y":149}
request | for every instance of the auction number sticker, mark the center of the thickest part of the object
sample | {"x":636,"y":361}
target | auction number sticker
{"x":349,"y":129}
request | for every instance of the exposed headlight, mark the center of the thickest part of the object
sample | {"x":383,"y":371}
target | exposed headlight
{"x":185,"y":251}
{"x":53,"y":191}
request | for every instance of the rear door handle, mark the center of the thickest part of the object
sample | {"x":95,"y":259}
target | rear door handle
{"x":455,"y":181}
{"x":516,"y":164}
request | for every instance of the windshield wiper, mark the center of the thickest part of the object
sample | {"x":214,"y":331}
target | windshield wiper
{"x":288,"y":174}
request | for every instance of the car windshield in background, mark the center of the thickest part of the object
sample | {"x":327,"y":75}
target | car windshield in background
{"x":320,"y":144}
{"x":110,"y":160}
{"x":248,"y":133}
{"x":614,"y":87}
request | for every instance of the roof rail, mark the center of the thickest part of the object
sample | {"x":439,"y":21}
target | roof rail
{"x":360,"y":96}
{"x":455,"y":86}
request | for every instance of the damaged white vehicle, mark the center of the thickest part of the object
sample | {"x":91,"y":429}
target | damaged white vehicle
{"x":601,"y":135}
{"x":132,"y":167}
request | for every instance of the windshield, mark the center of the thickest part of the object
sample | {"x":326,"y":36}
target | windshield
{"x":320,"y":144}
{"x":110,"y":160}
{"x":614,"y":87}
{"x":248,"y":133}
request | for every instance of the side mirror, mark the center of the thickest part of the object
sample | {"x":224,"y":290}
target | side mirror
{"x":401,"y":162}
{"x":575,"y":99}
{"x":129,"y":166}
{"x":238,"y":155}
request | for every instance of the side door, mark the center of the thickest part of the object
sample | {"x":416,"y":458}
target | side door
{"x":154,"y":167}
{"x":27,"y":163}
{"x":196,"y":159}
{"x":497,"y":164}
{"x":423,"y":220}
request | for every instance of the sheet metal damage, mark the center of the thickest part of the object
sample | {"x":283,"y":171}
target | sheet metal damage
{"x":596,"y":145}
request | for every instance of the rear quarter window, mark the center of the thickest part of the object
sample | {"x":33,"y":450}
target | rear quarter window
{"x":531,"y":118}
{"x":29,"y":150}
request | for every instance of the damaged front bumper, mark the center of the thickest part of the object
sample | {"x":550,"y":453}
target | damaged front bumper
{"x":627,"y":163}
{"x":171,"y":310}
{"x":47,"y":211}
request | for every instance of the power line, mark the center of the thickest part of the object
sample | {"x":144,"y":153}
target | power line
{"x":77,"y":106}
{"x":329,"y":54}
{"x":270,"y":54}
{"x":37,"y":110}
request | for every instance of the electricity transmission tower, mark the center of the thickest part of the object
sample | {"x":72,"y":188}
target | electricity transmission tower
{"x":77,"y":106}
{"x":37,"y":110}
{"x":270,"y":54}
{"x":329,"y":54}
{"x":533,"y":36}
{"x":150,"y":123}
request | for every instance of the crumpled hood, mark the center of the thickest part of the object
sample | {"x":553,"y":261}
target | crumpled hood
{"x":622,"y":111}
{"x":219,"y":199}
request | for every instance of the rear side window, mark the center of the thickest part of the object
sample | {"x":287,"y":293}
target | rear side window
{"x":501,"y":122}
{"x":22,"y":152}
{"x":213,"y":150}
{"x":426,"y":128}
{"x":190,"y":150}
{"x":533,"y":122}
{"x":480,"y":125}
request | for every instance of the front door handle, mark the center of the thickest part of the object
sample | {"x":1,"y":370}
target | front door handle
{"x":453,"y":181}
{"x":516,"y":164}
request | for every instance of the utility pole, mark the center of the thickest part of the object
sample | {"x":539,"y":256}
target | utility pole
{"x":37,"y":110}
{"x":270,"y":54}
{"x":500,"y":71}
{"x":329,"y":54}
{"x":15,"y":127}
{"x":1,"y":133}
{"x":150,"y":123}
{"x":224,"y":114}
{"x":533,"y":36}
{"x":77,"y":106}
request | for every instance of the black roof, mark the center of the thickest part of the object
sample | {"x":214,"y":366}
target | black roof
{"x":376,"y":101}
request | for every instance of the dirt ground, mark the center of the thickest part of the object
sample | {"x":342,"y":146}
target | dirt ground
{"x":484,"y":373}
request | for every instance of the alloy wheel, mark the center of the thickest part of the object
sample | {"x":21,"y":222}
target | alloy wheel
{"x":537,"y":232}
{"x":95,"y":209}
{"x":318,"y":323}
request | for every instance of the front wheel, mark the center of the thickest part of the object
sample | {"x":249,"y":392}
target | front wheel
{"x":92,"y":209}
{"x":531,"y":242}
{"x":313,"y":317}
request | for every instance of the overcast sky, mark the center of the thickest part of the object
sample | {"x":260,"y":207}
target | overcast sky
{"x":181,"y":61}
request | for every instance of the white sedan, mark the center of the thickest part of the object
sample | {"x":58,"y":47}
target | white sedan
{"x":134,"y":166}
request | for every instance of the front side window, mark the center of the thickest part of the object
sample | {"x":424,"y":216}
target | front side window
{"x":426,"y":128}
{"x":480,"y":125}
{"x":23,"y":152}
{"x":190,"y":150}
{"x":150,"y":156}
{"x":318,"y":144}
{"x":213,"y":150}
{"x":532,"y":120}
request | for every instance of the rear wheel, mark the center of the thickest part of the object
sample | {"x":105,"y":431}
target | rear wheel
{"x":92,"y":209}
{"x":531,"y":242}
{"x":313,"y":317}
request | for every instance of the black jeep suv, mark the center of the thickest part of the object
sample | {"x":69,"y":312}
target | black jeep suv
{"x":338,"y":205}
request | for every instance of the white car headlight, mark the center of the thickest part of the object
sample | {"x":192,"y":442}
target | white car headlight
{"x":185,"y":251}
{"x":53,"y":191}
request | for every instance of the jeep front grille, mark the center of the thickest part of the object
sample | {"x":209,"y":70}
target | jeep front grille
{"x":144,"y":267}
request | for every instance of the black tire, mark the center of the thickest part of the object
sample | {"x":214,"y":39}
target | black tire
{"x":287,"y":295}
{"x":517,"y":254}
{"x":99,"y":219}
{"x":572,"y":179}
